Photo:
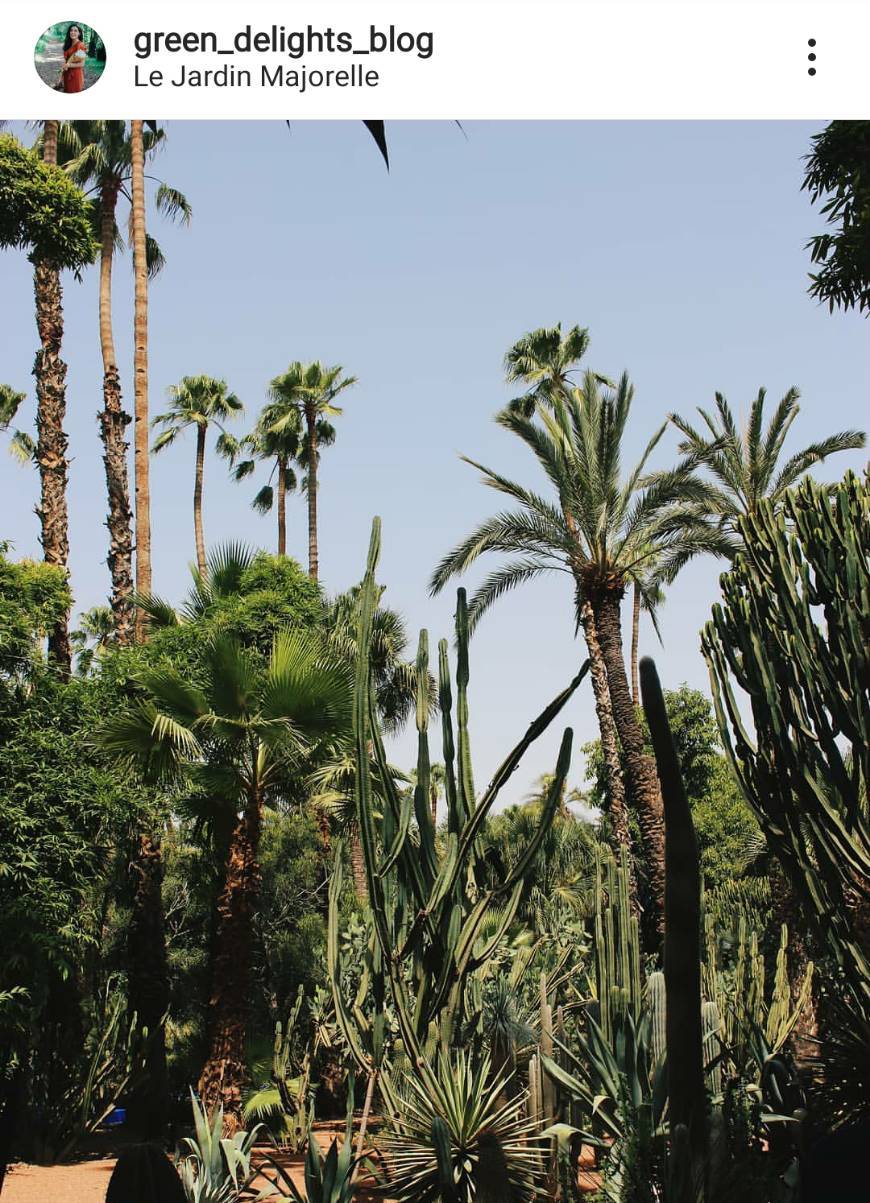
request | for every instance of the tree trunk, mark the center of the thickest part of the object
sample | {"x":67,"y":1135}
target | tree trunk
{"x":197,"y":499}
{"x":609,"y":743}
{"x":642,"y":787}
{"x":225,"y":1071}
{"x":148,"y":977}
{"x":635,"y":644}
{"x":140,"y":372}
{"x":113,"y":423}
{"x":358,"y":865}
{"x":282,"y":507}
{"x":311,"y":421}
{"x":50,"y":373}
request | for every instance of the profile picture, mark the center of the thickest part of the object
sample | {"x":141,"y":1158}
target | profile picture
{"x":70,"y":56}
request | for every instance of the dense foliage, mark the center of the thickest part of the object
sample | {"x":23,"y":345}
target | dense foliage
{"x":41,"y":209}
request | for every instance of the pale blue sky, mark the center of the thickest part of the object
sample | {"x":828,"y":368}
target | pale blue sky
{"x":680,"y":246}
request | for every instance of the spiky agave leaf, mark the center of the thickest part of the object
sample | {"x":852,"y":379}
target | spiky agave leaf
{"x":459,"y":1128}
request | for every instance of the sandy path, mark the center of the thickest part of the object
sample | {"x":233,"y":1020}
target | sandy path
{"x":82,"y":1183}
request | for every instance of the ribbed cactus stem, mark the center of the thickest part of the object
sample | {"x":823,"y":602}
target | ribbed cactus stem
{"x":687,"y":1100}
{"x":534,"y":1103}
{"x":711,"y":1024}
{"x":655,"y":988}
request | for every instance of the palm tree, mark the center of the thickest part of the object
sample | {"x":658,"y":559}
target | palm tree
{"x":745,"y":464}
{"x":237,"y":736}
{"x":395,"y":683}
{"x":199,"y":401}
{"x":647,"y":595}
{"x":602,"y":530}
{"x":309,"y":389}
{"x":98,"y":156}
{"x":278,"y":447}
{"x":21,"y":445}
{"x":140,"y":369}
{"x":95,"y":633}
{"x":51,"y":446}
{"x":544,"y":360}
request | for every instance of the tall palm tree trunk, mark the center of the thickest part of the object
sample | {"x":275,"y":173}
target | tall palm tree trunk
{"x":358,"y":865}
{"x":225,"y":1071}
{"x":635,"y":644}
{"x":148,"y":985}
{"x":113,"y":423}
{"x":311,"y":422}
{"x":197,"y":499}
{"x":609,"y":741}
{"x":282,"y":507}
{"x":50,"y":373}
{"x":140,"y":371}
{"x":642,"y":786}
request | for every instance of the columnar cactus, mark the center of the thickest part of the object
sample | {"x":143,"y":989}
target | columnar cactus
{"x":428,"y":903}
{"x":617,"y":941}
{"x":791,"y":633}
{"x":687,"y":1100}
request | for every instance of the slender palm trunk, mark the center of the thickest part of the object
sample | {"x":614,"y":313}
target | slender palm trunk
{"x":113,"y":423}
{"x":607,"y":729}
{"x":148,"y":984}
{"x":197,"y":498}
{"x":635,"y":644}
{"x":282,"y":507}
{"x":50,"y":373}
{"x":140,"y":371}
{"x":225,"y":1071}
{"x":358,"y":864}
{"x":641,"y":778}
{"x":311,"y":421}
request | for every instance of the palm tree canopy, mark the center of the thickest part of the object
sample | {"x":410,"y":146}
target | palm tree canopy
{"x":602,"y":527}
{"x":97,"y":155}
{"x":21,"y":445}
{"x":545,"y":360}
{"x":394,"y":676}
{"x":308,"y":386}
{"x":10,"y":400}
{"x":195,"y":401}
{"x":242,"y":722}
{"x":225,"y":567}
{"x":745,"y":464}
{"x":275,"y":439}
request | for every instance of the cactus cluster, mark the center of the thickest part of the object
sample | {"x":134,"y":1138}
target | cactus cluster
{"x":428,"y":898}
{"x":791,"y":633}
{"x":617,"y":941}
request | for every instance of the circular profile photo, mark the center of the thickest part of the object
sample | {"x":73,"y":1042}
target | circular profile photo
{"x":70,"y":57}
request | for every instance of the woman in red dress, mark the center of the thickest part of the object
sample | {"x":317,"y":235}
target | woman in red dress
{"x":74,"y":54}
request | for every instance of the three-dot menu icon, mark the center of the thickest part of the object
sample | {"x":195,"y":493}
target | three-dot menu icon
{"x":812,"y":55}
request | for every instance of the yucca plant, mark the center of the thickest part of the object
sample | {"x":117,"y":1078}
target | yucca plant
{"x":330,"y":1179}
{"x":620,"y":1090}
{"x":457,"y":1140}
{"x":216,"y":1169}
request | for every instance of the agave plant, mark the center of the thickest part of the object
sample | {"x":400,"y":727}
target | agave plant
{"x":216,"y":1169}
{"x":456,"y":1140}
{"x":620,"y":1088}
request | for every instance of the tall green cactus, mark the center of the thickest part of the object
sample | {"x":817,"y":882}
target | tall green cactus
{"x":617,"y":941}
{"x":793,"y":633}
{"x":687,"y":1100}
{"x":429,"y":902}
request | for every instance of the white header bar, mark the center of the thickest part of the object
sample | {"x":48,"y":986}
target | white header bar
{"x":471,"y":59}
